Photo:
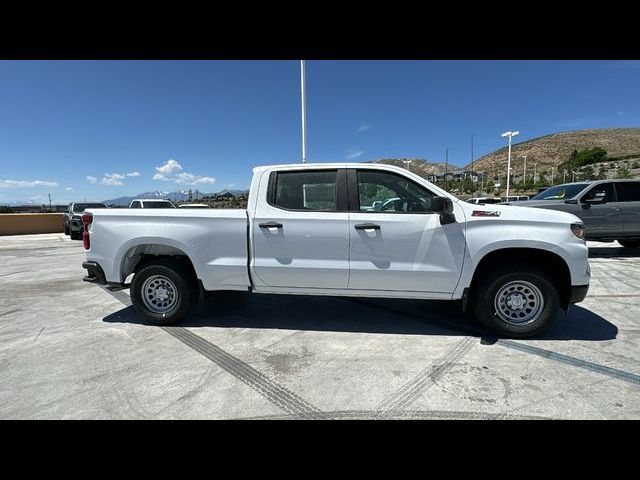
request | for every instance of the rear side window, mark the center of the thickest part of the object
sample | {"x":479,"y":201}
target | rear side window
{"x":306,"y":190}
{"x":628,"y":191}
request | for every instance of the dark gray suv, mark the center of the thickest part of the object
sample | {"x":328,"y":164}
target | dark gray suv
{"x":610,"y":209}
{"x":73,"y":218}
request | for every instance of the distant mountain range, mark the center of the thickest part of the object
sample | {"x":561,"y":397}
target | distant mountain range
{"x":177,"y":196}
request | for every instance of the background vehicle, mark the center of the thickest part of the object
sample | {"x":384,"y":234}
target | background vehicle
{"x":610,"y":209}
{"x":151,"y":203}
{"x":515,"y":198}
{"x":194,"y":205}
{"x":308,"y":229}
{"x":485,"y":200}
{"x":72,"y":218}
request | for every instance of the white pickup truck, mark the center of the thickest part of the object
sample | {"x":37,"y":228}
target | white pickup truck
{"x":363,"y":230}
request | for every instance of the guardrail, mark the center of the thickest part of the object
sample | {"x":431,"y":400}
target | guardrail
{"x":29,"y":223}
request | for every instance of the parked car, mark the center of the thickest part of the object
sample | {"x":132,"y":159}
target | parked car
{"x":609,"y":209}
{"x":151,"y":203}
{"x":485,"y":200}
{"x":72,"y":218}
{"x":193,"y":205}
{"x":306,"y":231}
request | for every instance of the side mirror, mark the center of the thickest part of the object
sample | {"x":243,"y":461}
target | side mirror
{"x":443,"y":206}
{"x":598,"y":197}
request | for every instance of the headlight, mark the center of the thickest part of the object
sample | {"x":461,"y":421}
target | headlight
{"x":578,"y":230}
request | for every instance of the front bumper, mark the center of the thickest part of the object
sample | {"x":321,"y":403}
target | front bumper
{"x":95,"y":273}
{"x":578,"y":293}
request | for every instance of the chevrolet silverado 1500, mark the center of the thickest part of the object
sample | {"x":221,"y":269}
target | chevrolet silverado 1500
{"x":367,"y":230}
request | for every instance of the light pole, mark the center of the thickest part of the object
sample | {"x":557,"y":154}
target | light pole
{"x":535,"y":172}
{"x":407,"y":163}
{"x":510,"y":135}
{"x":304,"y":111}
{"x":524,"y":174}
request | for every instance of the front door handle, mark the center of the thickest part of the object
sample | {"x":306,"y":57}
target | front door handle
{"x":367,"y":226}
{"x":270,"y":225}
{"x":615,"y":209}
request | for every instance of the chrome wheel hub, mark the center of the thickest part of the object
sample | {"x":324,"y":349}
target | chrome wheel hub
{"x":519,"y":303}
{"x":159,"y":294}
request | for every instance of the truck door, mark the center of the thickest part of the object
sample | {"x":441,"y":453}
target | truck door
{"x":397,"y":243}
{"x":629,"y":201}
{"x":300,"y":233}
{"x":600,"y":211}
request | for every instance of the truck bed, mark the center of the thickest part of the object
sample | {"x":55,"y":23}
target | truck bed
{"x":215,"y":240}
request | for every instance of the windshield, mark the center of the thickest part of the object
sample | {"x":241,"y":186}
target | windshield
{"x":158,"y":205}
{"x":81,"y":207}
{"x":561,"y":192}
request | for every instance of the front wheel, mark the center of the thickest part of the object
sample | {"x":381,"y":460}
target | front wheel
{"x":629,"y":243}
{"x":517,"y":302}
{"x":164,"y":292}
{"x":66,"y":230}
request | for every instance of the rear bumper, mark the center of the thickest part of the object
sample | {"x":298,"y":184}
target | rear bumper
{"x":578,"y":292}
{"x":95,"y":273}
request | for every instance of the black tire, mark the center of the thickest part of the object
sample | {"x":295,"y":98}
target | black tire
{"x":186,"y":298}
{"x":629,"y":243}
{"x":483,"y":300}
{"x":66,"y":230}
{"x":75,"y":235}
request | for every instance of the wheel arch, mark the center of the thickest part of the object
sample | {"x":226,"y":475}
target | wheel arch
{"x":551,"y":262}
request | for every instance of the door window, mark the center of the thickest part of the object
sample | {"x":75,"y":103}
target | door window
{"x":628,"y":191}
{"x":385,"y":192}
{"x":306,"y":190}
{"x":603,"y":190}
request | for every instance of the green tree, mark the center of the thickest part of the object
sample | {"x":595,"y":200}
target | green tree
{"x":586,"y":157}
{"x":587,"y":173}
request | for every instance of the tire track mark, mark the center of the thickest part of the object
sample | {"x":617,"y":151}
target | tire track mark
{"x":408,"y":415}
{"x":277,"y":394}
{"x":412,"y":390}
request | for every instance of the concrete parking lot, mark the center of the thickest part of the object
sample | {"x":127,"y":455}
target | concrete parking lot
{"x":69,"y":349}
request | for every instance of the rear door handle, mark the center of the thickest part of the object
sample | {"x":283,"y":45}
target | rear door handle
{"x":270,"y":225}
{"x":367,"y":226}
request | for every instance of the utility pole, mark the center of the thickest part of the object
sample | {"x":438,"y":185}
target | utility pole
{"x":49,"y":202}
{"x":304,"y":111}
{"x":564,"y":176}
{"x":446,"y":165}
{"x":552,"y":175}
{"x":524,"y":174}
{"x":535,"y":172}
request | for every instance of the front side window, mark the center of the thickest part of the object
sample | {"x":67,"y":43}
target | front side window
{"x":387,"y":192}
{"x":305,"y":190}
{"x":135,"y":205}
{"x":602,"y":191}
{"x":628,"y":191}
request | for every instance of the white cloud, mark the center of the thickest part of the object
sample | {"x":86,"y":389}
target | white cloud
{"x":353,"y":153}
{"x":91,"y":179}
{"x":113,"y":179}
{"x":171,"y":171}
{"x":363,"y":128}
{"x":26,"y":183}
{"x":133,"y":174}
{"x":69,"y":189}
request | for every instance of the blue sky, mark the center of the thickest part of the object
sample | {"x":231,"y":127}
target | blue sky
{"x":103,"y":129}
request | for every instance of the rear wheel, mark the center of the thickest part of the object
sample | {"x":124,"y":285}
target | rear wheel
{"x":164,"y":292}
{"x":518,"y":301}
{"x":66,"y":230}
{"x":76,"y":235}
{"x":629,"y":243}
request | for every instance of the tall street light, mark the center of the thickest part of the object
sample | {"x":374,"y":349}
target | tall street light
{"x":304,"y":112}
{"x":524,"y":174}
{"x":510,"y":135}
